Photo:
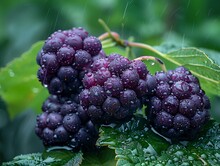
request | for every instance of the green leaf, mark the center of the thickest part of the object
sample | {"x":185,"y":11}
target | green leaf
{"x":135,"y":144}
{"x":103,"y":156}
{"x":63,"y":157}
{"x":200,"y":65}
{"x":52,"y":158}
{"x":29,"y":160}
{"x":19,"y":86}
{"x":204,"y":151}
{"x":214,"y":55}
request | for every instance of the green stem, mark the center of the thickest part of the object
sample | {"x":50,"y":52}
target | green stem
{"x":124,"y":43}
{"x":115,"y":36}
{"x":107,"y":29}
{"x":157,"y":60}
{"x":144,"y":46}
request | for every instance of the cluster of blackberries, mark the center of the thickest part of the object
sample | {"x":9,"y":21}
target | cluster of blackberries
{"x":65,"y":123}
{"x":64,"y":58}
{"x":89,"y":89}
{"x":179,"y":108}
{"x":114,"y":89}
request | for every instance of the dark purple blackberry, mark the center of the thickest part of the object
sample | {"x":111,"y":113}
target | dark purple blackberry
{"x":140,"y":67}
{"x":62,"y":121}
{"x":99,"y":63}
{"x":113,"y":89}
{"x":102,"y":75}
{"x":130,"y":78}
{"x":101,"y":55}
{"x":118,"y":65}
{"x":97,"y":95}
{"x":74,"y":41}
{"x":49,"y":62}
{"x":92,"y":45}
{"x":179,"y":107}
{"x":81,"y":32}
{"x":65,"y":58}
{"x":65,"y":55}
{"x":111,"y":105}
{"x":71,"y":123}
{"x":55,"y":86}
{"x":67,"y":74}
{"x":82,"y":59}
{"x":113,"y":86}
{"x":89,"y":80}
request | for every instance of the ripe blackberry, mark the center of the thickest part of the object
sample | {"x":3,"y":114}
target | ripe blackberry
{"x":114,"y":89}
{"x":179,"y":107}
{"x":65,"y":58}
{"x":65,"y":123}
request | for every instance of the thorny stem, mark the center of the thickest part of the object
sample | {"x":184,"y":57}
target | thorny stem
{"x":162,"y":65}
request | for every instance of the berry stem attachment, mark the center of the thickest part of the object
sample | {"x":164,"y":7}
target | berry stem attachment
{"x":106,"y":35}
{"x":157,"y":60}
{"x":125,"y":43}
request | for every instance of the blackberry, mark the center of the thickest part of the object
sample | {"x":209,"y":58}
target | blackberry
{"x":65,"y":123}
{"x":114,"y":89}
{"x":65,"y":58}
{"x":178,"y":108}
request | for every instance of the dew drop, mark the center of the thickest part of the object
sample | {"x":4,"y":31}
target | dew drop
{"x":35,"y":90}
{"x":190,"y":158}
{"x":203,"y":156}
{"x":11,"y":73}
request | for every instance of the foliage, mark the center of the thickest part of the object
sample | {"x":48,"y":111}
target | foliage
{"x":199,"y":63}
{"x":136,"y":144}
{"x":57,"y":158}
{"x":133,"y":143}
{"x":19,"y":86}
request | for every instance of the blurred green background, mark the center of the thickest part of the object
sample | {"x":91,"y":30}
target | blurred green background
{"x":24,"y":22}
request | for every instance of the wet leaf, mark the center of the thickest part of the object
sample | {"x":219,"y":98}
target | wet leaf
{"x":54,"y":158}
{"x":199,"y":63}
{"x":29,"y":159}
{"x":104,"y":157}
{"x":19,"y":86}
{"x":135,"y":144}
{"x":63,"y":157}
